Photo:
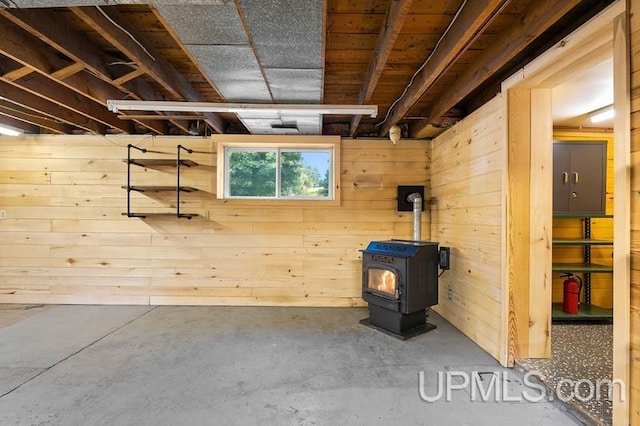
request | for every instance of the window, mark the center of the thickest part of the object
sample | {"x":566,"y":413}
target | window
{"x":278,"y":171}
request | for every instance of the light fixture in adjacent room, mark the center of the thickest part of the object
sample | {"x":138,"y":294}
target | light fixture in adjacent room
{"x":603,"y":115}
{"x":132,"y":105}
{"x":7,"y":131}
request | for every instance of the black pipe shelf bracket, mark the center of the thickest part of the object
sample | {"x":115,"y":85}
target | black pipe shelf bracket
{"x":178,"y":163}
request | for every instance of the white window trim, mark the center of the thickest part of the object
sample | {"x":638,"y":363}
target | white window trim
{"x":267,"y":142}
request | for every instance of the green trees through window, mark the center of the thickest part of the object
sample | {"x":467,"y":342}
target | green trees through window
{"x":252,"y":174}
{"x":278,"y":173}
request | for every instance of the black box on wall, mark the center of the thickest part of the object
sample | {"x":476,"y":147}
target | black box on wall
{"x":404,"y":191}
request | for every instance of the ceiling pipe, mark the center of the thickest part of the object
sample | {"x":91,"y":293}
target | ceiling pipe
{"x":416,"y":199}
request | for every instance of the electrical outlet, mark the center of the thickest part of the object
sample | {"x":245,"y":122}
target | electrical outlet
{"x":206,"y":214}
{"x":3,"y":214}
{"x":450,"y":293}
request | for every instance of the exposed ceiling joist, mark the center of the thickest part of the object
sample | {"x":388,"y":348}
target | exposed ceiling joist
{"x":10,"y":121}
{"x":467,"y":23}
{"x":68,"y":70}
{"x":39,"y":85}
{"x":129,"y":76}
{"x":28,"y":100}
{"x":389,"y":32}
{"x":147,"y":58}
{"x":161,"y":117}
{"x":23,"y":48}
{"x":536,"y":18}
{"x":133,"y":45}
{"x":17,"y":112}
{"x":54,"y":32}
{"x":17,"y":73}
{"x":76,"y":58}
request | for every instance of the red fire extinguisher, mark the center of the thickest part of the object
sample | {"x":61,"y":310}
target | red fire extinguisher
{"x":572,"y":287}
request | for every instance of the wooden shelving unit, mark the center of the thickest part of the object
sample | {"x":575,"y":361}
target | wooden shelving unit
{"x":178,"y":163}
{"x":587,"y":311}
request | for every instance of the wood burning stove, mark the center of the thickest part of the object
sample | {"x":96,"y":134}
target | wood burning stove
{"x":399,"y":282}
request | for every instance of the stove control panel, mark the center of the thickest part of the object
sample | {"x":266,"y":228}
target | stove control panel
{"x":444,"y":258}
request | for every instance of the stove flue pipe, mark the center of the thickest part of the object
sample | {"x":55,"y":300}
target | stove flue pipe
{"x":416,"y":199}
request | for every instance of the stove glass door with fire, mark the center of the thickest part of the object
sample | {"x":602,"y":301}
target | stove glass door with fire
{"x":383,"y":280}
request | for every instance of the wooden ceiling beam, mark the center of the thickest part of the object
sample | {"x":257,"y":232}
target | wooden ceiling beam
{"x":52,"y":29}
{"x":68,"y":70}
{"x":535,"y":19}
{"x":45,"y":88}
{"x":55,"y":32}
{"x":17,"y":124}
{"x":182,"y":124}
{"x":19,"y":113}
{"x":17,"y":73}
{"x":160,"y":117}
{"x":19,"y":96}
{"x":156,"y":126}
{"x":396,"y":14}
{"x":129,"y":76}
{"x":132,"y":45}
{"x":24,"y":48}
{"x":474,"y":16}
{"x":147,"y":58}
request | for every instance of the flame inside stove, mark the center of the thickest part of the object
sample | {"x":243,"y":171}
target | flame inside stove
{"x":382,"y":280}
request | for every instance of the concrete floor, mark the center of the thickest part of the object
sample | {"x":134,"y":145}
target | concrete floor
{"x":79,"y":365}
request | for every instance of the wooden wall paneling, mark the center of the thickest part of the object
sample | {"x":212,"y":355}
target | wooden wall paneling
{"x":65,"y":240}
{"x":23,"y":176}
{"x":74,"y":299}
{"x":518,"y":225}
{"x":466,"y":187}
{"x":626,"y":401}
{"x":529,"y":223}
{"x":541,"y":225}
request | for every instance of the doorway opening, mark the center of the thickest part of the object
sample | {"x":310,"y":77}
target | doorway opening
{"x":582,"y":245}
{"x":530,"y":230}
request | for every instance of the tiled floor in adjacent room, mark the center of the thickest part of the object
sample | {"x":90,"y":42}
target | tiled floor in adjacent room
{"x":579,"y":351}
{"x":80,"y":365}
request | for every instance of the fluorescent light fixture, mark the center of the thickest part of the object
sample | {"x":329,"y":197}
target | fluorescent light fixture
{"x":7,"y":131}
{"x":607,"y":114}
{"x":129,"y":105}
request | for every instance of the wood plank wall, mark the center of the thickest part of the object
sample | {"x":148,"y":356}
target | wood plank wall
{"x":601,"y":228}
{"x":635,"y":213}
{"x":467,"y":214}
{"x":65,"y":240}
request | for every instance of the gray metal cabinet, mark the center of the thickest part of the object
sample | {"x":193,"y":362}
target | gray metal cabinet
{"x":579,"y":177}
